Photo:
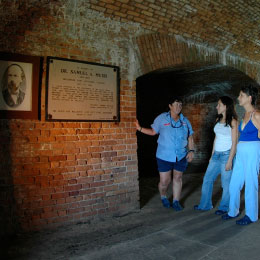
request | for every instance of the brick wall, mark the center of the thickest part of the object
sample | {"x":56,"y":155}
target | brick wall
{"x":219,"y":24}
{"x":55,"y":173}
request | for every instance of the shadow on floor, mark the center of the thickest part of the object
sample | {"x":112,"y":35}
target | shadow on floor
{"x":148,"y":187}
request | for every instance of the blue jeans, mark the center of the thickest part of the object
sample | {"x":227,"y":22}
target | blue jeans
{"x":216,"y":166}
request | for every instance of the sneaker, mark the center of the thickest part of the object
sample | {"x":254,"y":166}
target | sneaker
{"x":166,"y":203}
{"x":176,"y":205}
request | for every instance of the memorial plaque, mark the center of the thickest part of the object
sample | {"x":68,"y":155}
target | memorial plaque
{"x":81,"y":91}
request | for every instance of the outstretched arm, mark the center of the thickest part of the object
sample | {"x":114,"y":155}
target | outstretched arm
{"x":147,"y":131}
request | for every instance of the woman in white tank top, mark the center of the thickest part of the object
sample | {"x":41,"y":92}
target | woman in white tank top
{"x":224,"y":149}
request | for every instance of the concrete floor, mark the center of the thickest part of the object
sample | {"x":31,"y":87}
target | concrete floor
{"x":153,"y":232}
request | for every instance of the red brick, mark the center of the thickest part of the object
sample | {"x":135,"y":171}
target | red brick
{"x":60,"y":195}
{"x":58,"y":158}
{"x":73,"y":187}
{"x":49,"y":215}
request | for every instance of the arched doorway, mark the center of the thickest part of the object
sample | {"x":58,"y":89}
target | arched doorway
{"x":199,"y":85}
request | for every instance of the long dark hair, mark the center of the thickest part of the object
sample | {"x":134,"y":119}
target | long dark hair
{"x":252,"y":91}
{"x":230,"y":110}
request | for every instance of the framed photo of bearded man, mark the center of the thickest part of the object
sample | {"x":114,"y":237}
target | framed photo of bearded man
{"x":19,"y":86}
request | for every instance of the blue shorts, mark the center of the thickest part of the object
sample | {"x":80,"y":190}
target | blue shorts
{"x":165,"y":166}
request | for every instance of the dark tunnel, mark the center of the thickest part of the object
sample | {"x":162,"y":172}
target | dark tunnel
{"x":199,"y":86}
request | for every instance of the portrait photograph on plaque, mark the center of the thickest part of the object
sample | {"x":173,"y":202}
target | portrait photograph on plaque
{"x":81,"y":91}
{"x":19,"y":86}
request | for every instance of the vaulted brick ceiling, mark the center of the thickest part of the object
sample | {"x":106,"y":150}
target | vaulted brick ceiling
{"x":232,"y":25}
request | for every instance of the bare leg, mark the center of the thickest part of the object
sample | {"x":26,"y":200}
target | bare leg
{"x":165,"y":179}
{"x":177,"y":185}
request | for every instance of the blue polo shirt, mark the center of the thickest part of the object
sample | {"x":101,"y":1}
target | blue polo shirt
{"x":173,"y":136}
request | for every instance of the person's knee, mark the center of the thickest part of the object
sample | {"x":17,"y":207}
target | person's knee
{"x":237,"y":186}
{"x":177,"y":178}
{"x":208,"y":179}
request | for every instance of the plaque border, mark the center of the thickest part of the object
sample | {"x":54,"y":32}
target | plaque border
{"x":36,"y":62}
{"x":116,"y":68}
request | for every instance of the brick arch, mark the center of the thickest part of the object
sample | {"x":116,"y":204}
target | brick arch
{"x":161,"y":51}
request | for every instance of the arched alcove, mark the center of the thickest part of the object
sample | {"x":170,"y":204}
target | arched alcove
{"x":199,"y":85}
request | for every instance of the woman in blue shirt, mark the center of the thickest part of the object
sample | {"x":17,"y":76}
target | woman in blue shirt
{"x":246,"y":168}
{"x":175,"y":149}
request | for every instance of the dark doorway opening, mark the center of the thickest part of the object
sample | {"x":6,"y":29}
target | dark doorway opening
{"x":200,"y":86}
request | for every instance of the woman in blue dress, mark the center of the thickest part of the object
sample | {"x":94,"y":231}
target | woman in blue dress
{"x":246,"y":168}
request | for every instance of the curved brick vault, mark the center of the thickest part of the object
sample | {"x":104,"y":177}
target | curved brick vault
{"x":159,"y":51}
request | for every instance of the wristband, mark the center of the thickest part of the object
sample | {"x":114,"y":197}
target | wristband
{"x":140,"y":129}
{"x":191,"y":151}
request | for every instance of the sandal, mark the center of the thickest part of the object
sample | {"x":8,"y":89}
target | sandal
{"x":196,"y":207}
{"x":226,"y":216}
{"x":244,"y":221}
{"x":220,"y":212}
